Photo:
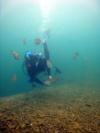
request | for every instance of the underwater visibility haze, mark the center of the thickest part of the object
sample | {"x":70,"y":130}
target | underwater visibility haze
{"x":74,"y":27}
{"x":72,"y":31}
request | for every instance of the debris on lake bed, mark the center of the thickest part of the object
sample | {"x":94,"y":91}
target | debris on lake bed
{"x":47,"y":111}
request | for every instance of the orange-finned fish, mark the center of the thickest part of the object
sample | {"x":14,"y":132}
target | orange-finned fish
{"x":15,"y":55}
{"x":37,"y":41}
{"x":14,"y":78}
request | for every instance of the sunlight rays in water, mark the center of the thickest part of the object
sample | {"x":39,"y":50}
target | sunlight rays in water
{"x":46,"y":9}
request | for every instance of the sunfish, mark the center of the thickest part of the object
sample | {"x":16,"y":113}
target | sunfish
{"x":15,"y":55}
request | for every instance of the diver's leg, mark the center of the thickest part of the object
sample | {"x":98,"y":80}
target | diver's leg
{"x":38,"y":81}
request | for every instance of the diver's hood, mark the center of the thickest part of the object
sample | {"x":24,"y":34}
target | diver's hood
{"x":28,"y":54}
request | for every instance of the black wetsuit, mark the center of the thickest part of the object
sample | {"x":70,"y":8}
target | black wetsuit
{"x":37,"y":64}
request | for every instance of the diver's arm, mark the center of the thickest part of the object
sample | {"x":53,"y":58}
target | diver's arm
{"x":47,"y":56}
{"x":46,"y":50}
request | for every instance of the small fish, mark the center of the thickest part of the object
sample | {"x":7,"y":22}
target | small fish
{"x":37,"y":41}
{"x":58,"y":70}
{"x":15,"y":55}
{"x":13,"y":78}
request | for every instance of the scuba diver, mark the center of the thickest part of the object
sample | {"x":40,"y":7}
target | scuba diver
{"x":37,"y":63}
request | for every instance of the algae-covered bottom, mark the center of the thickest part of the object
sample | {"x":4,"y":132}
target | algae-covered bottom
{"x":63,"y":109}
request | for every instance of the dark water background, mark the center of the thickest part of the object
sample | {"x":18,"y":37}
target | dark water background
{"x":74,"y":27}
